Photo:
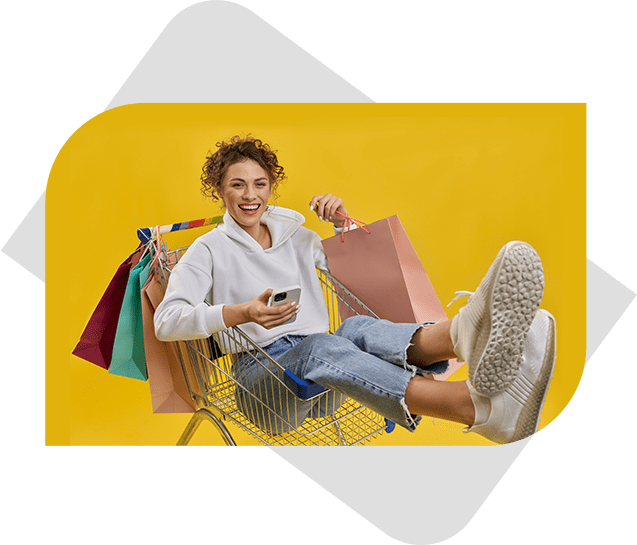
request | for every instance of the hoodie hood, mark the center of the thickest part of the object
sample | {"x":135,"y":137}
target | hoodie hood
{"x":282,"y":223}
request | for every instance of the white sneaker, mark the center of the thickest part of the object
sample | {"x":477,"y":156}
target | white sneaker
{"x":490,"y":332}
{"x":515,"y":413}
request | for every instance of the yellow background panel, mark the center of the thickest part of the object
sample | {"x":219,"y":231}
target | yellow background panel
{"x":463,"y":178}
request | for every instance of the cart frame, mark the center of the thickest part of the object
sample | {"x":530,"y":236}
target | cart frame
{"x":224,"y":392}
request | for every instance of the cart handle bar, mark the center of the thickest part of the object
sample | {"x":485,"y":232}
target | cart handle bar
{"x":146,"y":234}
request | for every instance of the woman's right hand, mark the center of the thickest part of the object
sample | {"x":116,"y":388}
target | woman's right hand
{"x":259,"y":312}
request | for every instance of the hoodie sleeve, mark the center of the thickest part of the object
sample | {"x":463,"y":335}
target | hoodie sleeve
{"x":183,"y":314}
{"x":320,"y":259}
{"x":339,"y":230}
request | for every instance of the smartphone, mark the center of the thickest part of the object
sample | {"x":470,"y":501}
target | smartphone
{"x":283,"y":296}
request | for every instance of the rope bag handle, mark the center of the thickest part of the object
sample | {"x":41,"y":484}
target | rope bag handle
{"x":348,"y":224}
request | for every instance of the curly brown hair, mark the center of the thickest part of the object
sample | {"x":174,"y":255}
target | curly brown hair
{"x":237,"y":150}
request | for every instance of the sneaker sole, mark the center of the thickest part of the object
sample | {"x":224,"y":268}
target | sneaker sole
{"x":516,"y":293}
{"x":529,"y":419}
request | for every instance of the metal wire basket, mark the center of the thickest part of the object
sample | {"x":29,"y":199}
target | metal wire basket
{"x":306,"y":414}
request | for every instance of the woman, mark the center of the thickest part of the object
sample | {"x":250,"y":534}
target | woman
{"x":509,"y":345}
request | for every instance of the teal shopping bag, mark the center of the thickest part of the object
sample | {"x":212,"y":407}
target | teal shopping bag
{"x":129,"y":359}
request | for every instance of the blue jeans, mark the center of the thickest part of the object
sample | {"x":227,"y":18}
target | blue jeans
{"x":365,"y":359}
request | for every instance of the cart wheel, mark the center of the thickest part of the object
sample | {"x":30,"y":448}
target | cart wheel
{"x":195,"y":422}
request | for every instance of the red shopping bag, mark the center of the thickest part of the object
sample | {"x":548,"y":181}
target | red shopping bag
{"x":96,"y":342}
{"x":380,"y":266}
{"x":168,"y":387}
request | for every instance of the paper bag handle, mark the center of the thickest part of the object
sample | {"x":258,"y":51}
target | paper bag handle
{"x":348,"y":223}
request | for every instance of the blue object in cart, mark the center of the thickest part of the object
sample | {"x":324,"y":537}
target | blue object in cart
{"x":303,"y":389}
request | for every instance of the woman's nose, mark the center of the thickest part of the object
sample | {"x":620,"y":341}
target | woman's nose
{"x":249,"y":192}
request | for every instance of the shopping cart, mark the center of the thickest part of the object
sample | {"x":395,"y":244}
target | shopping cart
{"x":232,"y":379}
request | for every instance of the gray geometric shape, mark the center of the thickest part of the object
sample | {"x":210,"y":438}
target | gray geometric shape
{"x":403,"y":490}
{"x":606,"y":300}
{"x":377,"y":482}
{"x":191,"y":61}
{"x":26,"y":245}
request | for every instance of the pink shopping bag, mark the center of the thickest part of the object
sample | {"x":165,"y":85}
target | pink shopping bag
{"x":380,"y":266}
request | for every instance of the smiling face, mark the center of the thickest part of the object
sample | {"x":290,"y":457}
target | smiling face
{"x":245,"y":191}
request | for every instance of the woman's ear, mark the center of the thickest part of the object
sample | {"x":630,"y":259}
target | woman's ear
{"x":219,"y":191}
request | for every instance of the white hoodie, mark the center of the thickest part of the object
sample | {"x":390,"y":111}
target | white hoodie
{"x":242,"y":270}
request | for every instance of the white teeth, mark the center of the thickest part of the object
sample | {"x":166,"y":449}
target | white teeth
{"x":248,"y":206}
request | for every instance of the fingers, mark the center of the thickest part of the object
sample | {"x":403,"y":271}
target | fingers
{"x":326,"y":207}
{"x":265,"y":296}
{"x":331,"y":206}
{"x":317,"y":204}
{"x":313,"y":202}
{"x":267,"y":316}
{"x":275,"y":316}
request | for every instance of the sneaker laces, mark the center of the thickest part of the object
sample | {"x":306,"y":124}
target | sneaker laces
{"x":460,"y":294}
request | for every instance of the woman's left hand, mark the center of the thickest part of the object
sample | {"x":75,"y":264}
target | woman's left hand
{"x":326,"y":207}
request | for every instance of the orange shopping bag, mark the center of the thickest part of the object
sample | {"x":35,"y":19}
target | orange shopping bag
{"x":168,"y":387}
